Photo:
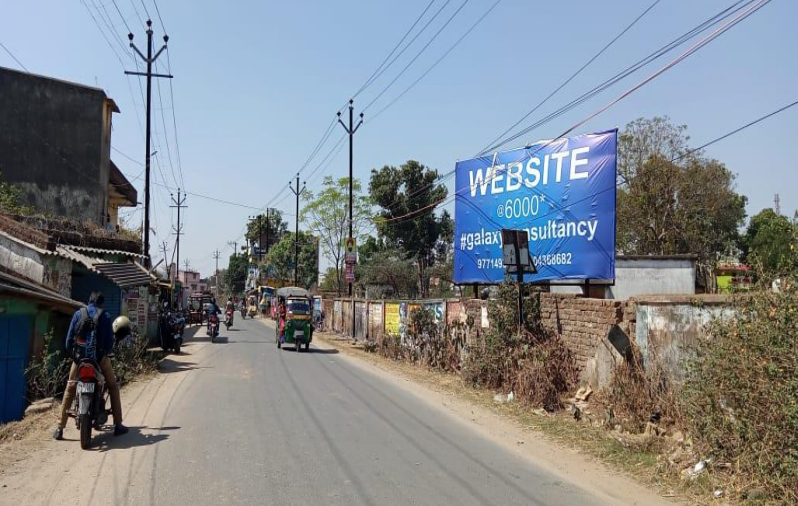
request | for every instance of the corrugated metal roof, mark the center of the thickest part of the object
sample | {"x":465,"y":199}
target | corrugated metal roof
{"x":21,"y":287}
{"x":106,"y":251}
{"x":124,"y":274}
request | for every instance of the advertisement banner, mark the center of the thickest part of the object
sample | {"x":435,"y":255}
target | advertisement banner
{"x":392,"y":320}
{"x":562,"y":192}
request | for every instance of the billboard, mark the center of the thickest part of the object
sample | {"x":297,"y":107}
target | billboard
{"x":562,"y":192}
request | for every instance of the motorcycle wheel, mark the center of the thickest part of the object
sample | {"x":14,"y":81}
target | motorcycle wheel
{"x":85,"y":431}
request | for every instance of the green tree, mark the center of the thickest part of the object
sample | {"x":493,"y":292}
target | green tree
{"x":327,"y":215}
{"x":769,"y":242}
{"x":9,"y":199}
{"x":410,"y":193}
{"x":385,"y":270}
{"x":236,"y":274}
{"x":671,"y":201}
{"x":281,"y":259}
{"x":261,"y":228}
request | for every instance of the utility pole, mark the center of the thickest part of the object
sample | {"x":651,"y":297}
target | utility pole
{"x":296,"y":191}
{"x":234,"y":244}
{"x":166,"y":261}
{"x":260,"y":235}
{"x":351,"y":129}
{"x":216,"y":255}
{"x":149,"y":60}
{"x":268,"y":226}
{"x":179,"y":230}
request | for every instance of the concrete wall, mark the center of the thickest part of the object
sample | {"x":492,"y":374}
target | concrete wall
{"x":30,"y":263}
{"x":55,"y":144}
{"x":668,"y":327}
{"x":652,"y":277}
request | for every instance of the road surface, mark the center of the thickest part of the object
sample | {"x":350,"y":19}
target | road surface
{"x":240,"y":422}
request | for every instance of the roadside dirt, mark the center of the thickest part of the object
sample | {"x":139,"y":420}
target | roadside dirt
{"x":497,"y":423}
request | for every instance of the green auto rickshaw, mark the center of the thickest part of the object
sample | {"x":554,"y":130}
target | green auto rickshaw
{"x":294,"y":323}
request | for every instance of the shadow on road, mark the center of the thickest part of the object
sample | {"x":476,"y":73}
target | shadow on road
{"x":321,"y":351}
{"x":106,"y":440}
{"x":168,"y":365}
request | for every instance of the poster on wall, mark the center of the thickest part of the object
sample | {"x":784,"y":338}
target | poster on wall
{"x":561,"y":192}
{"x":392,"y":319}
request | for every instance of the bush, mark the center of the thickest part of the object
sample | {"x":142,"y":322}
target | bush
{"x":47,"y":374}
{"x":131,"y":359}
{"x":740,"y":397}
{"x":532,"y":362}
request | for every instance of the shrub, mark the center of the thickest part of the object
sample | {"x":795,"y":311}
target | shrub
{"x":740,"y":397}
{"x":47,"y":374}
{"x":532,"y":362}
{"x":131,"y":359}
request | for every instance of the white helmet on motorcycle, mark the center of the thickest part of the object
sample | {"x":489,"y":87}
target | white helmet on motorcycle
{"x":122,"y":327}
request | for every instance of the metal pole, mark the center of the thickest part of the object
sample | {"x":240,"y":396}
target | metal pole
{"x":268,"y":226}
{"x":147,"y":148}
{"x":296,"y":236}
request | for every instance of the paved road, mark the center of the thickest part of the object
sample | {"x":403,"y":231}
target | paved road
{"x":243,"y":423}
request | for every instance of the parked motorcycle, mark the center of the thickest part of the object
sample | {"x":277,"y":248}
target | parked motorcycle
{"x":171,"y":331}
{"x":228,"y":318}
{"x":213,"y":327}
{"x":91,"y":400}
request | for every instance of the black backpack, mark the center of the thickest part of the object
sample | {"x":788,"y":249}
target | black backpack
{"x":86,"y":335}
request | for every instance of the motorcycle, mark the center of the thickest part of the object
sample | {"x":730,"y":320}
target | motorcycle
{"x":228,"y":318}
{"x":171,"y":327}
{"x":213,"y":328}
{"x":91,"y":400}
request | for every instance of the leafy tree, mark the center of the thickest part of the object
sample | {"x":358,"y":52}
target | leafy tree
{"x":235,"y":276}
{"x":327,"y":215}
{"x":410,"y":192}
{"x":9,"y":199}
{"x":769,"y":242}
{"x":262,"y":227}
{"x":670,"y":201}
{"x":385,"y":270}
{"x":281,"y":259}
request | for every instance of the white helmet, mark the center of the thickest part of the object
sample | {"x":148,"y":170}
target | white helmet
{"x":122,"y":327}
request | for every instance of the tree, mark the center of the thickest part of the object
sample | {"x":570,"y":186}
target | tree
{"x":262,"y":227}
{"x":327,"y":215}
{"x":235,"y":276}
{"x":281,"y":259}
{"x":769,"y":242}
{"x":10,"y":196}
{"x":385,"y":270}
{"x":410,"y":194}
{"x":670,"y":201}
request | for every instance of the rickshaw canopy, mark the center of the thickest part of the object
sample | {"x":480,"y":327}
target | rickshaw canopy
{"x":293,"y":291}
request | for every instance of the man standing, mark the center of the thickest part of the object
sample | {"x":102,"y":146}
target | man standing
{"x":103,"y":343}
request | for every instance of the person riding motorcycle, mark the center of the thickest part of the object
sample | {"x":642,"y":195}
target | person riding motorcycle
{"x":212,"y":309}
{"x":104,"y":335}
{"x":230,"y":308}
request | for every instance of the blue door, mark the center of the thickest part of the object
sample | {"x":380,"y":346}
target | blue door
{"x":15,"y":332}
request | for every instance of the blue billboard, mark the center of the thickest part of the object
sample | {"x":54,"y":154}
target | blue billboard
{"x":562,"y":192}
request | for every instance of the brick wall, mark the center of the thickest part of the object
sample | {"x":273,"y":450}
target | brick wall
{"x":583,"y":323}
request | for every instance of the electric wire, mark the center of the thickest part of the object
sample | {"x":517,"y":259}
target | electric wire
{"x":578,"y":71}
{"x":14,"y":57}
{"x":373,"y":74}
{"x":401,"y":72}
{"x":689,"y":52}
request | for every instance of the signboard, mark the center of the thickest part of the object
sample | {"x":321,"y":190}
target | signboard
{"x":561,"y":192}
{"x":392,"y":320}
{"x":350,"y":251}
{"x":349,"y":273}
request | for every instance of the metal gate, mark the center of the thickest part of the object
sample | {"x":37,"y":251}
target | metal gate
{"x":15,"y":334}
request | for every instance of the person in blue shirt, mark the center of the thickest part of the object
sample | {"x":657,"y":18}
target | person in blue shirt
{"x":104,"y":341}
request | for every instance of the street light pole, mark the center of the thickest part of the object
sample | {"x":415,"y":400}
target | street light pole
{"x":296,"y":191}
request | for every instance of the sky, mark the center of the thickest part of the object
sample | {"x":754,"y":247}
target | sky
{"x":257,"y":82}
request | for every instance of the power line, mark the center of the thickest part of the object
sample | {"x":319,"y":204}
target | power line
{"x":127,"y":27}
{"x":401,"y":72}
{"x":689,"y":52}
{"x":490,"y":9}
{"x":717,"y":18}
{"x":127,"y":156}
{"x":736,"y":130}
{"x":728,"y":12}
{"x":174,"y":120}
{"x":14,"y":57}
{"x":372,"y":77}
{"x":136,"y":10}
{"x":158,"y":12}
{"x":579,"y":71}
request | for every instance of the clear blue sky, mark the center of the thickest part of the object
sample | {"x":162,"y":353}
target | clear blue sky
{"x":257,"y":82}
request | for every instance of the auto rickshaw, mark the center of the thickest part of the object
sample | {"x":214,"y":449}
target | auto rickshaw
{"x":252,"y":306}
{"x":298,"y":327}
